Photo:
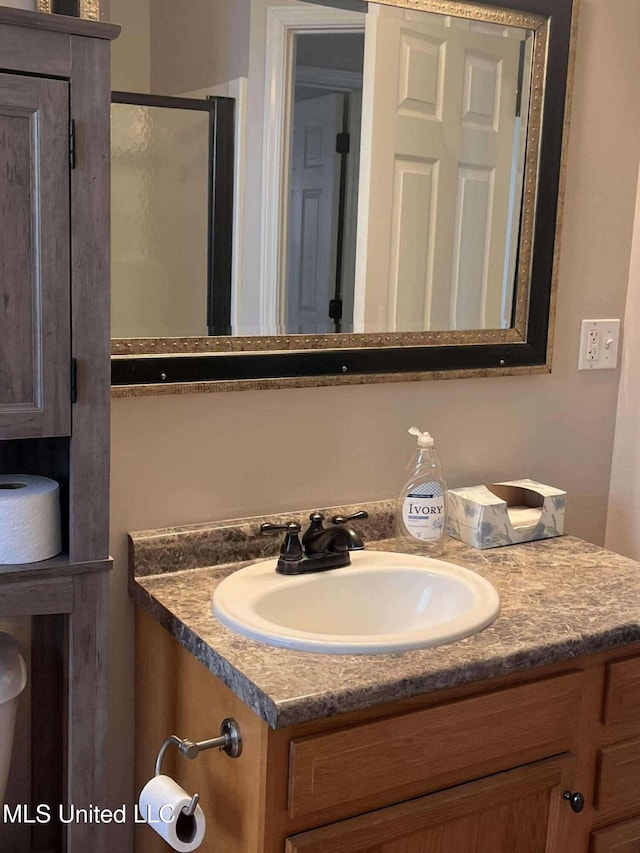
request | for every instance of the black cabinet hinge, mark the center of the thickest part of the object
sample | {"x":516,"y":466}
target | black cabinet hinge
{"x":72,"y":143}
{"x":343,"y":143}
{"x":74,"y":380}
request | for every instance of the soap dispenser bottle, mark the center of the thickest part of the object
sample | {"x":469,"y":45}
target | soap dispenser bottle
{"x":421,"y":511}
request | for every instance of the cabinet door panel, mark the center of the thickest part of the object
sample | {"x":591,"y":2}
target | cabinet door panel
{"x":34,"y":257}
{"x":355,"y":770}
{"x":519,"y":810}
{"x":622,"y":694}
{"x":618,"y":774}
{"x":621,"y":838}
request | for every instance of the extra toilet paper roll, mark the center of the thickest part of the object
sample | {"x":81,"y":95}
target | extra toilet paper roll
{"x":29,"y":519}
{"x":161,"y":805}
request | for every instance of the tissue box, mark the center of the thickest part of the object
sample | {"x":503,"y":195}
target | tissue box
{"x":505,"y":513}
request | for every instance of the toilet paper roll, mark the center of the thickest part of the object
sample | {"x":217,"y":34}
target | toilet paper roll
{"x":29,"y":519}
{"x":161,"y":805}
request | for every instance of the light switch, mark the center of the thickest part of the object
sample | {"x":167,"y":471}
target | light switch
{"x":599,"y":341}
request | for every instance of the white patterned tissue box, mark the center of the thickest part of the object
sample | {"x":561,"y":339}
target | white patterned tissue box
{"x":505,"y":513}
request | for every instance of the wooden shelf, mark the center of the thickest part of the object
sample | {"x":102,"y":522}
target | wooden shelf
{"x":45,"y":588}
{"x":58,"y":566}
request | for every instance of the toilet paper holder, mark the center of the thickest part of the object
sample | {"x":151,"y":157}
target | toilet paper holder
{"x":229,"y":741}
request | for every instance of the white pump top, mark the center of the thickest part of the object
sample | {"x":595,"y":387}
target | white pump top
{"x":424,"y":439}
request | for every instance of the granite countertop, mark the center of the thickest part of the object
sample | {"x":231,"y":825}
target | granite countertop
{"x":560,"y":598}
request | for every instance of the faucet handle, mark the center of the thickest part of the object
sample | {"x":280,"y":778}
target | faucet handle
{"x":291,"y":550}
{"x":357,"y":516}
{"x":291,"y":526}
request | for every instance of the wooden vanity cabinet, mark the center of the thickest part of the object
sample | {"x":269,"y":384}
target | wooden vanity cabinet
{"x":481,"y":768}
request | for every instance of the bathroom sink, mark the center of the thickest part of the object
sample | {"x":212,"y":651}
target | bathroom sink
{"x":383,"y":602}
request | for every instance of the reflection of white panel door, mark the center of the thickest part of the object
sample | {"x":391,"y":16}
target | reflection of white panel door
{"x":436,"y":179}
{"x":313,"y":214}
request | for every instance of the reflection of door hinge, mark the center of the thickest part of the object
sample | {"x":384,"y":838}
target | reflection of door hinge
{"x":335,"y":309}
{"x":74,"y":380}
{"x":519,"y":92}
{"x":72,"y":143}
{"x":342,"y":143}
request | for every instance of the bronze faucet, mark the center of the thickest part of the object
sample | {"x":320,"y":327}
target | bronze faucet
{"x":322,"y":548}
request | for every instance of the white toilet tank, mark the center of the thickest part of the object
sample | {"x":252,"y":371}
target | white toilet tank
{"x":13,"y":679}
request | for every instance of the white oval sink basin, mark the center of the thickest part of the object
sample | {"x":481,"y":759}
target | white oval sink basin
{"x":382,"y":602}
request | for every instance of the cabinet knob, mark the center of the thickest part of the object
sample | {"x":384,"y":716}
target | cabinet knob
{"x":575,"y":800}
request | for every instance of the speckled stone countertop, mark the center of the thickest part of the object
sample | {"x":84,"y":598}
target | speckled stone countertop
{"x":560,"y":599}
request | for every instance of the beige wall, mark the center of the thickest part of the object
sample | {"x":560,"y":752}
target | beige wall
{"x":198,"y":457}
{"x":623,"y":520}
{"x":208,"y":46}
{"x":131,"y":52}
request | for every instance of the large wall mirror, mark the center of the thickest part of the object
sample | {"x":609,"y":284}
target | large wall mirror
{"x":387,"y":204}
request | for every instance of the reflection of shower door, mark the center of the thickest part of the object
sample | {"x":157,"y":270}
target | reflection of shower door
{"x":172,"y":209}
{"x":313,"y":214}
{"x":442,"y":101}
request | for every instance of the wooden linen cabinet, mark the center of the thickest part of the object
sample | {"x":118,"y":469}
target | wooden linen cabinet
{"x":55,"y":387}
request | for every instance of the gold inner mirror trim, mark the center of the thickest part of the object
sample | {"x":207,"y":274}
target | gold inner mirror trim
{"x":89,"y":9}
{"x":489,"y":14}
{"x":226,"y":344}
{"x":517,"y":334}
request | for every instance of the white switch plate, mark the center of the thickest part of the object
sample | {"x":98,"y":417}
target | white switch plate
{"x":599,"y":340}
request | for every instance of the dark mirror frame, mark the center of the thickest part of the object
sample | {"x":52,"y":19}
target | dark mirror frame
{"x":306,"y":365}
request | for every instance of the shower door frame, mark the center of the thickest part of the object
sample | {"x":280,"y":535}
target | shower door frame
{"x":220,"y":194}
